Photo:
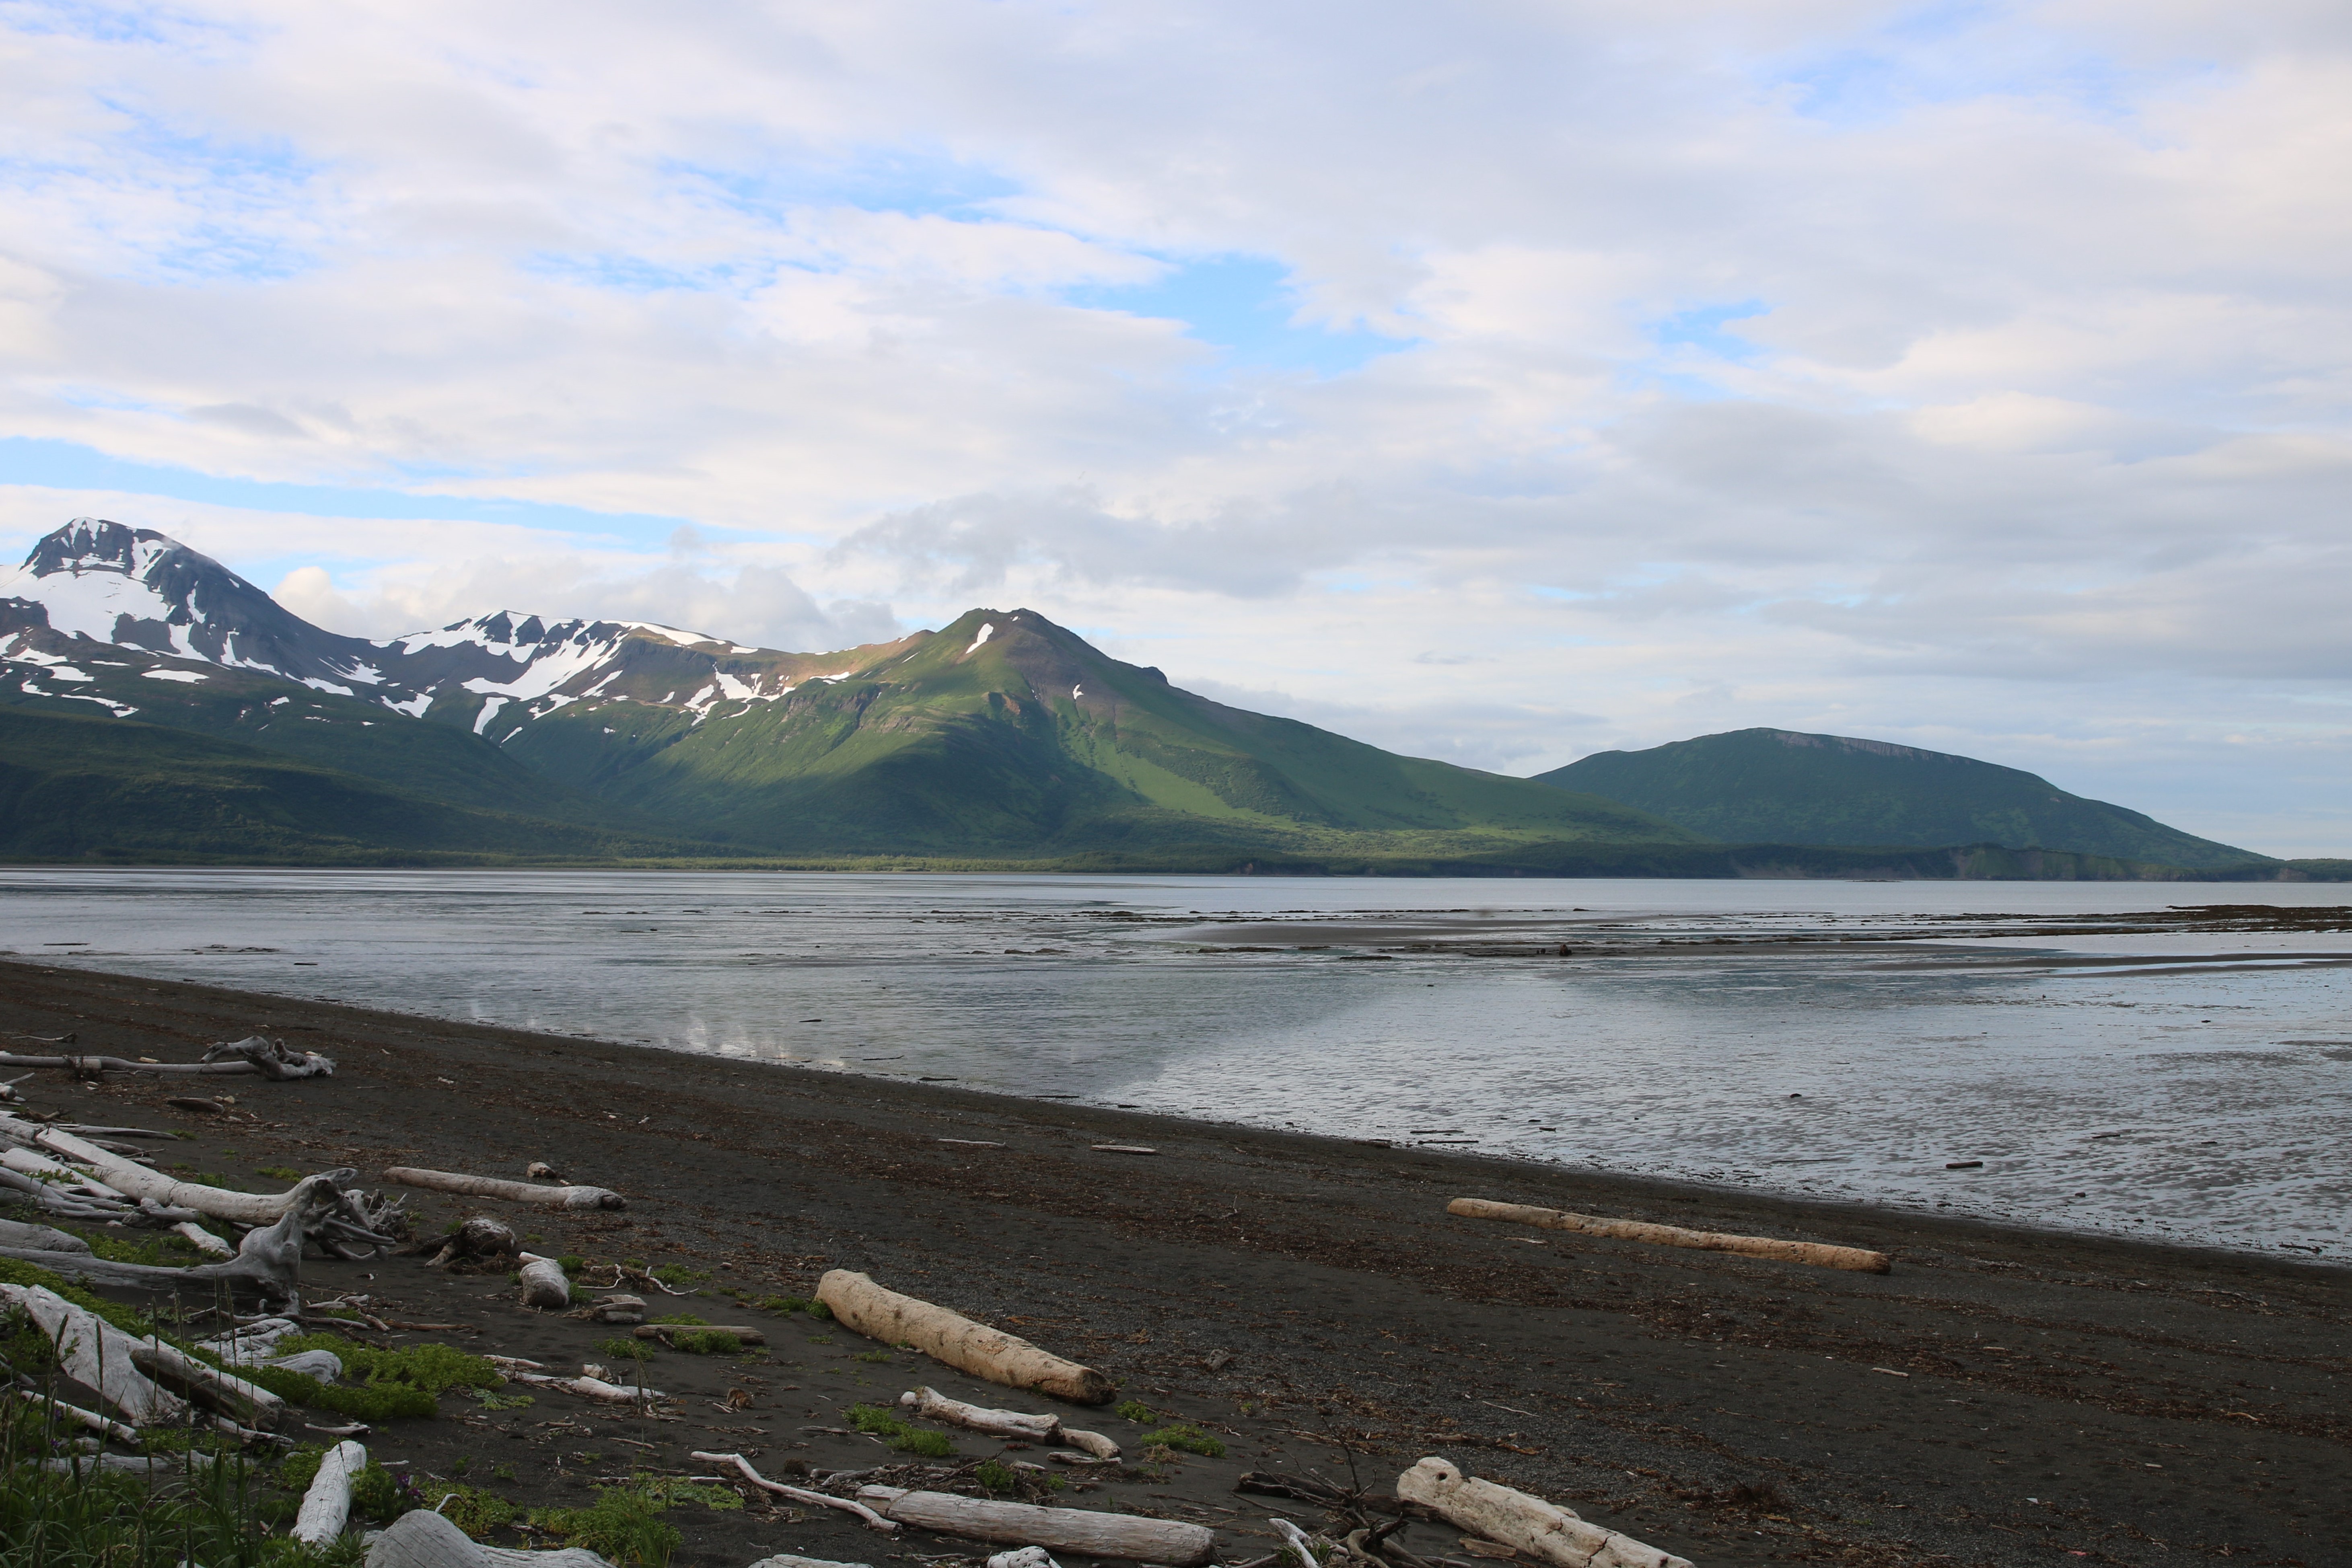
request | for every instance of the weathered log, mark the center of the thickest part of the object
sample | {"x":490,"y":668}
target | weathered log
{"x":251,"y":1341}
{"x":323,"y":1365}
{"x":79,"y":1416}
{"x":1297,"y":1541}
{"x":543,"y":1284}
{"x":1025,"y":1557}
{"x":797,"y":1494}
{"x":92,"y":1066}
{"x":269,"y":1262}
{"x":50,"y":1200}
{"x":203,"y":1240}
{"x":619,"y":1310}
{"x":1077,"y":1530}
{"x":272,"y":1058}
{"x":860,"y":1304}
{"x":1014,"y":1424}
{"x":589,"y":1385}
{"x":327,"y":1501}
{"x":479,"y":1237}
{"x":247,"y":1404}
{"x":424,"y":1539}
{"x":514,"y":1191}
{"x":159,"y":1467}
{"x":98,"y":1355}
{"x":937,"y":1406}
{"x":1541,"y":1529}
{"x":39,"y":1238}
{"x":1818,"y":1254}
{"x":138,"y":1182}
{"x":786,"y":1559}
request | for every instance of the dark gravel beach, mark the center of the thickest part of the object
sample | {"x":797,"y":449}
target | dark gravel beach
{"x":2002,"y":1397}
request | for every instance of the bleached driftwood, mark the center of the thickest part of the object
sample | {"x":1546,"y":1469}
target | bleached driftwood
{"x":327,"y":1501}
{"x":136,"y":1181}
{"x":250,"y":1342}
{"x":160,"y":1466}
{"x":424,"y":1539}
{"x":513,"y":1191}
{"x":269,"y":1262}
{"x":619,"y":1310}
{"x":1027,"y":1557}
{"x":247,"y":1404}
{"x":797,"y":1494}
{"x":479,"y":1237}
{"x":589,"y":1385}
{"x":96,"y":1354}
{"x":543,"y":1284}
{"x":253,"y":1054}
{"x":1078,"y":1531}
{"x":323,"y":1365}
{"x":79,"y":1416}
{"x":203,"y":1240}
{"x":1541,"y":1529}
{"x":39,"y":1238}
{"x":1014,"y":1424}
{"x":667,"y":1333}
{"x":786,"y":1559}
{"x":273,"y":1059}
{"x":1818,"y":1254}
{"x":1297,"y":1541}
{"x":51,"y":1201}
{"x":860,"y":1304}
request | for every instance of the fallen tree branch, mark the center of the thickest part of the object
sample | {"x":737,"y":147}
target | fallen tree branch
{"x":327,"y":1502}
{"x":814,"y":1498}
{"x":137,"y":1181}
{"x":589,"y":1387}
{"x":1078,"y":1531}
{"x":92,"y":1066}
{"x":1046,"y":1429}
{"x":269,"y":1262}
{"x":424,"y":1539}
{"x":865,"y":1307}
{"x":97,"y":1355}
{"x":247,"y":1404}
{"x":79,"y":1416}
{"x":39,"y":1238}
{"x":1529,"y":1524}
{"x":272,"y":1059}
{"x":514,"y":1191}
{"x":1818,"y":1254}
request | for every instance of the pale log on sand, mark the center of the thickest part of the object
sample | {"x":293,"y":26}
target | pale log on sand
{"x":1011,"y":1424}
{"x":96,"y":1354}
{"x":1541,"y":1529}
{"x":327,"y":1504}
{"x":1818,"y":1254}
{"x":137,"y":1181}
{"x":1075,"y":1531}
{"x":249,"y":1404}
{"x":93,"y":1065}
{"x":50,"y":1200}
{"x":1029,"y":1557}
{"x":424,"y":1539}
{"x":269,"y":1262}
{"x":860,"y":1304}
{"x":513,"y":1191}
{"x":589,"y":1387}
{"x":666,"y":1333}
{"x":815,"y":1499}
{"x":203,"y":1240}
{"x":543,"y":1284}
{"x":79,"y":1416}
{"x":39,"y":1238}
{"x":786,"y":1559}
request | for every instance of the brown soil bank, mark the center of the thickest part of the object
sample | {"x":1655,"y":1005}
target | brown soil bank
{"x":2004,"y":1397}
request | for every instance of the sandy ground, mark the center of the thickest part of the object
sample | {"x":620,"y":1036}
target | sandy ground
{"x":2002,"y":1397}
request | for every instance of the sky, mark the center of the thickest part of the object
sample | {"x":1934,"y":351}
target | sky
{"x":1498,"y":381}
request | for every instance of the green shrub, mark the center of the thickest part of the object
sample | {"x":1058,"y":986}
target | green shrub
{"x":472,"y":1509}
{"x":786,"y":1305}
{"x":278,"y":1172}
{"x":1136,"y":1410}
{"x":371,"y":1402}
{"x":1189,"y":1437}
{"x":883,"y":1356}
{"x":671,"y":1490}
{"x":993,"y":1477}
{"x":709,"y":1341}
{"x":625,"y":1526}
{"x":900,"y":1433}
{"x":684,"y":1320}
{"x":431,"y":1367}
{"x":572,"y":1262}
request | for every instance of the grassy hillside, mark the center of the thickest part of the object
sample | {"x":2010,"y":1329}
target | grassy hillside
{"x":1767,"y":786}
{"x":1027,"y":739}
{"x":114,"y":789}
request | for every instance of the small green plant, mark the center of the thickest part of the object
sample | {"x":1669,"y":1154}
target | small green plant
{"x":461,"y":1464}
{"x":993,"y":1477}
{"x":503,"y":1473}
{"x":1136,"y":1410}
{"x":634,"y":1350}
{"x":491,"y":1399}
{"x":880,"y":1357}
{"x":533,"y":1238}
{"x":900,"y":1433}
{"x":678,"y":1275}
{"x":672,"y":1491}
{"x":707,"y":1342}
{"x":472,"y":1509}
{"x":820,"y":1339}
{"x":432,"y":1366}
{"x":572,"y":1262}
{"x":625,"y":1526}
{"x":278,"y":1172}
{"x":1183,"y":1435}
{"x":684,"y":1320}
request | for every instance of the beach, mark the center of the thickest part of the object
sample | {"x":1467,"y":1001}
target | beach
{"x":2001,"y":1396}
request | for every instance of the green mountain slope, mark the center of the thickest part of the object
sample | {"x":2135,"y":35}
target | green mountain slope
{"x":1775,"y":786}
{"x":1006,"y":734}
{"x":115,"y":790}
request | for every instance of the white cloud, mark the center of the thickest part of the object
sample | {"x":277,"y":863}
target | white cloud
{"x":1975,"y":374}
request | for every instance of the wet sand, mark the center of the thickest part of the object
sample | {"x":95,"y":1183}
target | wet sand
{"x":2004,"y":1397}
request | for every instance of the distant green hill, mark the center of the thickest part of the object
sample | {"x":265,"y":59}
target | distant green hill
{"x":1776,"y":787}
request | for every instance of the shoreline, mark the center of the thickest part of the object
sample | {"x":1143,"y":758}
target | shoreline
{"x":1261,"y":1277}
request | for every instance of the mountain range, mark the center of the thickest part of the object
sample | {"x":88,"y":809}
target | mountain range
{"x":157,"y":706}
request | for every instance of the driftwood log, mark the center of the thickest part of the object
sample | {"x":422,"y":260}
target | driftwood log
{"x":667,"y":1333}
{"x":786,"y":1559}
{"x":326,"y":1503}
{"x":513,"y":1191}
{"x":39,"y":1238}
{"x":1077,"y":1530}
{"x":543,"y":1284}
{"x":797,"y":1494}
{"x":269,"y":1058}
{"x":1025,"y":1557}
{"x":79,"y":1416}
{"x":97,"y":1355}
{"x":269,"y":1262}
{"x":1818,"y":1254}
{"x":1022,"y":1427}
{"x":860,"y":1304}
{"x":1537,"y":1529}
{"x":247,"y":1404}
{"x":589,"y":1385}
{"x":424,"y":1539}
{"x":480,"y":1238}
{"x":203,"y":1240}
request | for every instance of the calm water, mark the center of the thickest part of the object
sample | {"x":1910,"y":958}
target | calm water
{"x":2217,"y":1066}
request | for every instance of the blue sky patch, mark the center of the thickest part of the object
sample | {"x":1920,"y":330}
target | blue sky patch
{"x":1242,"y":305}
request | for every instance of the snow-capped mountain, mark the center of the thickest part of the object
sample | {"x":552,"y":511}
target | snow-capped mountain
{"x":96,"y":594}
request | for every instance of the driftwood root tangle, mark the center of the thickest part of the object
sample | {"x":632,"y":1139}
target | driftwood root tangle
{"x":867,"y":1308}
{"x":512,"y":1191}
{"x":1820,"y":1255}
{"x":269,"y":1262}
{"x":327,"y":1504}
{"x":423,"y":1538}
{"x":1075,"y":1531}
{"x":1537,"y":1529}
